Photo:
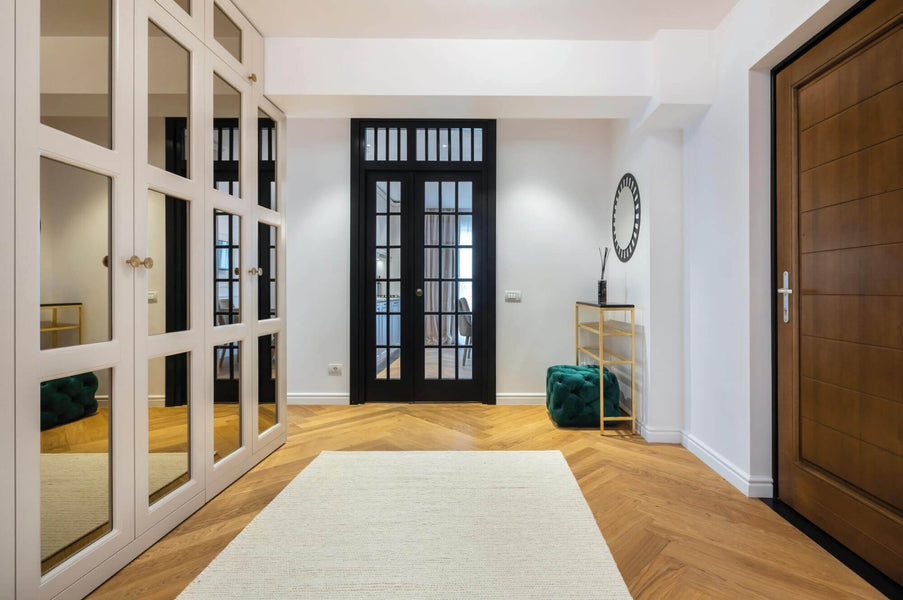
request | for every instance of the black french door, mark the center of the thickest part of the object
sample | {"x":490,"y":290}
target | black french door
{"x":423,"y":261}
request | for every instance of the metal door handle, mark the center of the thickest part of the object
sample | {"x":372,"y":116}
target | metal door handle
{"x":135,"y":262}
{"x":786,"y":291}
{"x":419,"y":292}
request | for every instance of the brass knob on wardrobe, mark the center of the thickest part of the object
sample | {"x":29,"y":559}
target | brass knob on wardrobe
{"x":419,"y":292}
{"x":135,"y":262}
{"x":255,"y":271}
{"x":253,"y":77}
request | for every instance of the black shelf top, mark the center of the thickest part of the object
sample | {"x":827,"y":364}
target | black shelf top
{"x":597,"y":305}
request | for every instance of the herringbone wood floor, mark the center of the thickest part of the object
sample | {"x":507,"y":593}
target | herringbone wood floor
{"x":675,"y":528}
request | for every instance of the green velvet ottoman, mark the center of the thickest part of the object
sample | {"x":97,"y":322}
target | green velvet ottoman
{"x":572,"y":395}
{"x":68,"y":399}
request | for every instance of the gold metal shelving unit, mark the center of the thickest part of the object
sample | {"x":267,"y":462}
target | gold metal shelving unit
{"x":54,"y":326}
{"x":603,"y":328}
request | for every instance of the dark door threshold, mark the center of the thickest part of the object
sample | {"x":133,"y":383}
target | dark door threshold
{"x":856,"y":563}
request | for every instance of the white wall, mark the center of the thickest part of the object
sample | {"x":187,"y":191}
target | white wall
{"x":727,"y":251}
{"x":550,"y":222}
{"x":551,"y":176}
{"x":318,"y":225}
{"x":652,"y":279}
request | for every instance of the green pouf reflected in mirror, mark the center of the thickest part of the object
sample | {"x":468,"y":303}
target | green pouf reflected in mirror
{"x":572,"y":395}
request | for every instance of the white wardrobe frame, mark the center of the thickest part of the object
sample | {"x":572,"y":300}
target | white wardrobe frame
{"x":135,"y":526}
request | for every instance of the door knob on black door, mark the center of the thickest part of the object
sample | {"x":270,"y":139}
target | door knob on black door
{"x":419,"y":292}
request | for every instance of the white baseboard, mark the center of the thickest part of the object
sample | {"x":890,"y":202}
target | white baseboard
{"x":521,"y":399}
{"x":659,"y":435}
{"x":758,"y":486}
{"x":103,"y":401}
{"x":318,"y":398}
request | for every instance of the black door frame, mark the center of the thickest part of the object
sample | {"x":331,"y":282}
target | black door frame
{"x":359,"y":171}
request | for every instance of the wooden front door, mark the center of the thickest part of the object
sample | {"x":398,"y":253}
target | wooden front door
{"x":839,"y":175}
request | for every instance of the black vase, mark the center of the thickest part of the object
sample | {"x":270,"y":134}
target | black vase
{"x":603,"y":291}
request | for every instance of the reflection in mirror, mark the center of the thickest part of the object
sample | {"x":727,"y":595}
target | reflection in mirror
{"x":266,"y":160}
{"x":76,"y":475}
{"x":75,"y":250}
{"x":75,"y":68}
{"x":266,"y":382}
{"x":624,"y":217}
{"x":266,"y":282}
{"x":226,"y":400}
{"x":226,"y":268}
{"x":226,"y":32}
{"x":226,"y":137}
{"x":168,"y":101}
{"x":167,"y":422}
{"x":167,"y":282}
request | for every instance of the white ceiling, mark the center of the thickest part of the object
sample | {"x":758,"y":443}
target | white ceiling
{"x":482,"y":19}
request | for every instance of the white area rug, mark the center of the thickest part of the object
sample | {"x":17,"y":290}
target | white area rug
{"x":75,"y":493}
{"x":500,"y":525}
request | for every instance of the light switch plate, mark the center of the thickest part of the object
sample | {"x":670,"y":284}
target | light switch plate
{"x":151,"y":296}
{"x":335,"y":369}
{"x":512,"y":296}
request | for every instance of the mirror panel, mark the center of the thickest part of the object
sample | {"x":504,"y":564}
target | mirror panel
{"x":226,"y":32}
{"x":226,"y":137}
{"x":75,"y":222}
{"x":76,"y":475}
{"x":168,"y":101}
{"x":76,"y":88}
{"x":266,"y":160}
{"x":226,"y":268}
{"x":226,"y":400}
{"x":184,"y":5}
{"x":267,"y":349}
{"x":167,"y":282}
{"x":266,"y":282}
{"x":168,"y":417}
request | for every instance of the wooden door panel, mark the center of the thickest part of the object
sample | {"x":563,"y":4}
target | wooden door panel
{"x":875,"y":320}
{"x":862,"y":76}
{"x":839,"y":234}
{"x":853,"y":413}
{"x":870,"y":271}
{"x":872,"y":171}
{"x":864,"y":222}
{"x":874,"y":120}
{"x":869,"y":369}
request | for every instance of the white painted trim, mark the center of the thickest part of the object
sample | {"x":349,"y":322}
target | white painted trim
{"x":520,"y":399}
{"x":754,"y":486}
{"x":659,"y":435}
{"x":318,"y":398}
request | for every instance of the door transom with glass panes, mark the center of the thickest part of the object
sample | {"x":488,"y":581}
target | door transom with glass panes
{"x":423,"y":261}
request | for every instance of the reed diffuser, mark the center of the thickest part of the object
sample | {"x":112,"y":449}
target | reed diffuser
{"x":603,"y":286}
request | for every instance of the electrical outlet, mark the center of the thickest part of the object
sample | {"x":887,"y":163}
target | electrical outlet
{"x":512,"y":296}
{"x":335,"y":369}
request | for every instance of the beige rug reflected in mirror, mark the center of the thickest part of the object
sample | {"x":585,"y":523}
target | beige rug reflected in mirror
{"x":75,"y":493}
{"x":500,"y":525}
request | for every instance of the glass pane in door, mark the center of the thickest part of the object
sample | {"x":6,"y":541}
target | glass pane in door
{"x":266,"y":281}
{"x":266,"y":382}
{"x":388,"y":257}
{"x":75,"y":68}
{"x":76,"y":472}
{"x":226,"y":400}
{"x":226,"y":268}
{"x":448,"y":280}
{"x":226,"y":137}
{"x":168,"y":101}
{"x":266,"y":160}
{"x":167,"y":281}
{"x":167,"y":421}
{"x":76,"y":302}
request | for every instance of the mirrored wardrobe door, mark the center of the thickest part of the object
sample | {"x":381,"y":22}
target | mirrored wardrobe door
{"x":169,"y":334}
{"x":268,"y":273}
{"x":74,"y":290}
